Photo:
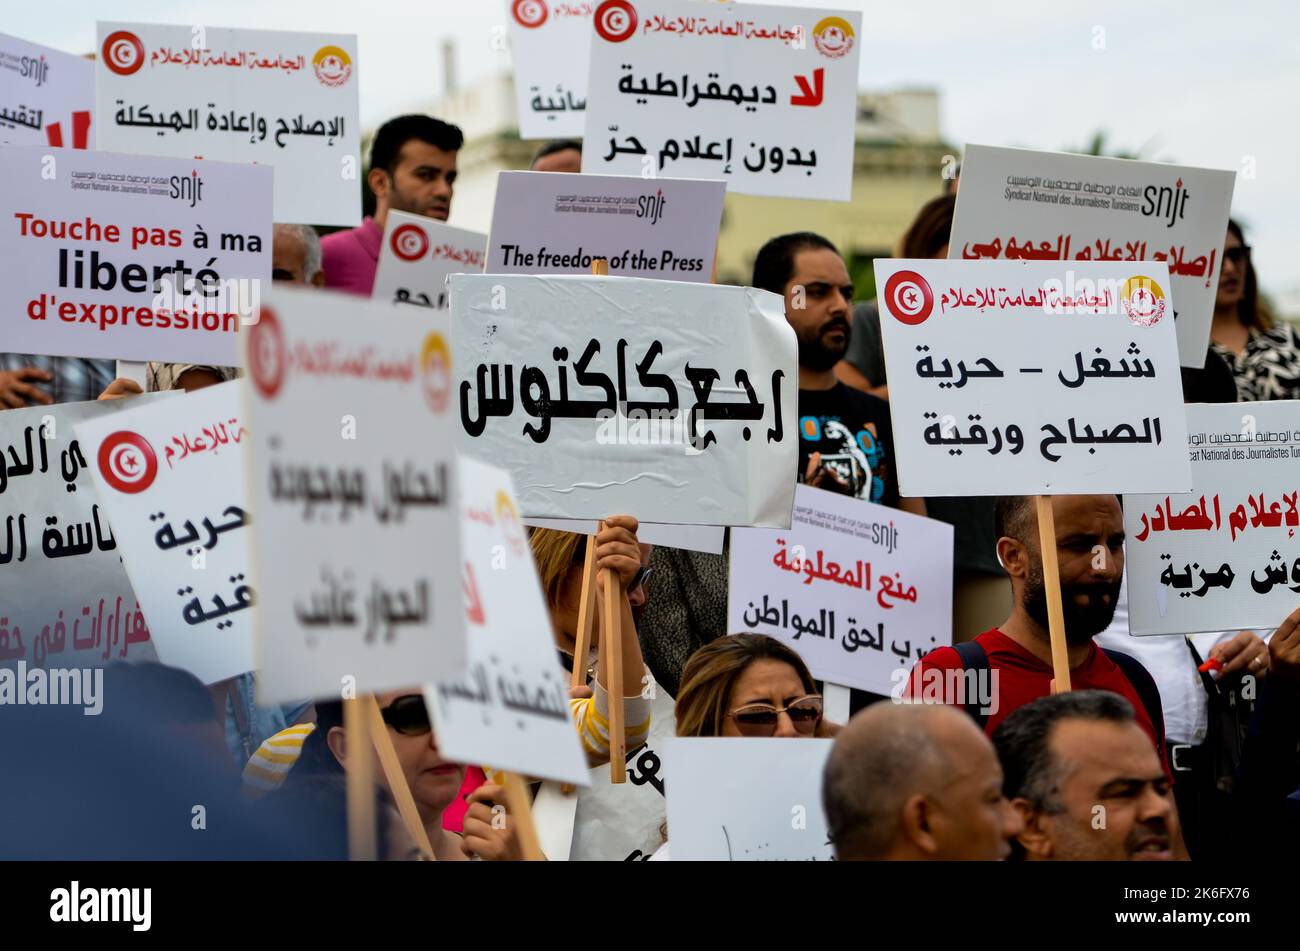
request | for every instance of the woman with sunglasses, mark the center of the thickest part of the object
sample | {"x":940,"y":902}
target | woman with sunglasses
{"x":434,"y":782}
{"x":1264,"y":355}
{"x":560,"y":556}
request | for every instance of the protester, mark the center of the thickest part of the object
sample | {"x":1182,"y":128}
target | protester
{"x":916,"y":782}
{"x":31,"y":380}
{"x":1264,"y":355}
{"x":560,"y":557}
{"x":562,"y":155}
{"x":412,"y":169}
{"x":1086,"y":781}
{"x":1012,"y":663}
{"x":845,"y":438}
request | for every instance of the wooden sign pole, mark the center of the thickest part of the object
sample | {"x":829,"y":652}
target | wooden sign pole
{"x":586,"y":615}
{"x":397,"y":784}
{"x":520,"y":810}
{"x":360,"y":783}
{"x":1052,"y":584}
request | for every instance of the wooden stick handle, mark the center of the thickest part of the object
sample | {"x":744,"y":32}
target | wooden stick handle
{"x":360,"y":783}
{"x":397,"y":784}
{"x":521,"y":814}
{"x":611,"y":646}
{"x":1052,"y":584}
{"x":586,"y":615}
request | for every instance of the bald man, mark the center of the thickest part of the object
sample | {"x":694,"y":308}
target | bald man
{"x":908,"y":782}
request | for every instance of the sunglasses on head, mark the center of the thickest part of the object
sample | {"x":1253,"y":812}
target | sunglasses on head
{"x":1237,"y":255}
{"x":408,"y":715}
{"x":760,"y":719}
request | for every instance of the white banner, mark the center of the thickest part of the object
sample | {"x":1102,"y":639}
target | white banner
{"x":356,"y":531}
{"x":545,"y":223}
{"x":860,"y":591}
{"x":288,"y":100}
{"x":170,"y":474}
{"x":1019,"y":204}
{"x":130,"y":257}
{"x":1224,"y":556}
{"x":512,"y":707}
{"x":416,"y":256}
{"x":665,"y":446}
{"x":65,"y":600}
{"x":763,"y":97}
{"x":550,"y":44}
{"x":46,"y":95}
{"x":746,"y":800}
{"x":1032,"y":377}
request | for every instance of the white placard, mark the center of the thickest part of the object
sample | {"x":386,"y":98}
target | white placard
{"x":1032,"y":377}
{"x":46,"y":95}
{"x":545,"y":223}
{"x":764,"y":97}
{"x":65,"y":600}
{"x":416,"y":256}
{"x":170,"y":474}
{"x":1224,"y":556}
{"x":671,"y":402}
{"x":550,"y":44}
{"x":356,"y":531}
{"x":276,"y":98}
{"x":705,"y":538}
{"x":746,"y":800}
{"x":512,"y":707}
{"x":128,"y":256}
{"x":859,"y":590}
{"x":1048,"y":206}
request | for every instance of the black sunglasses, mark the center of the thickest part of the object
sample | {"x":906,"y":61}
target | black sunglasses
{"x":1237,"y":254}
{"x":408,"y":715}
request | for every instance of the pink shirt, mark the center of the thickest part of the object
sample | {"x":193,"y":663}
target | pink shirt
{"x":350,"y":258}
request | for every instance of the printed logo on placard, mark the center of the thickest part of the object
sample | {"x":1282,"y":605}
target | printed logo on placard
{"x":123,"y":52}
{"x":333,"y":65}
{"x":615,"y":20}
{"x":529,"y":13}
{"x":511,"y":527}
{"x":1143,"y":300}
{"x":435,"y":364}
{"x":267,"y":357}
{"x":833,"y":37}
{"x":127,"y":462}
{"x":908,"y":296}
{"x":409,"y":242}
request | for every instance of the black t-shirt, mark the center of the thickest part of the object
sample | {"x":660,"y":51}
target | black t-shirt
{"x":851,"y":430}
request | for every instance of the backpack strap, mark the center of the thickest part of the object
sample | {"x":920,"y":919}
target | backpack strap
{"x":974,"y":657}
{"x":1146,"y":688}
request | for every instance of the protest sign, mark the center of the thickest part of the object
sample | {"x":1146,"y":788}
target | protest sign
{"x":1032,"y":377}
{"x":46,"y":95}
{"x":130,"y":257}
{"x":706,"y":538}
{"x":1223,"y":556}
{"x":512,"y":707}
{"x":170,"y":474}
{"x":64,"y":596}
{"x":860,"y":591}
{"x":550,"y":44}
{"x":764,"y":97}
{"x":288,"y":100}
{"x":544,"y":223}
{"x":666,"y":448}
{"x":746,"y":800}
{"x":355,"y":533}
{"x":1019,"y":204}
{"x":416,"y":256}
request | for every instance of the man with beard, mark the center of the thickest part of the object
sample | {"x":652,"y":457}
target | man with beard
{"x":413,"y":169}
{"x":845,"y":439}
{"x":1086,"y":781}
{"x":1011,"y":664}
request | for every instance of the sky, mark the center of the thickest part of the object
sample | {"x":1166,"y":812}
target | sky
{"x":1195,"y":82}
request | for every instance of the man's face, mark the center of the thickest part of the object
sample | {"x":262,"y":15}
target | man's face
{"x":565,"y":160}
{"x":1118,"y":802}
{"x":971,"y":820}
{"x":288,"y":257}
{"x":1090,"y":553}
{"x":421,"y":182}
{"x":818,"y":304}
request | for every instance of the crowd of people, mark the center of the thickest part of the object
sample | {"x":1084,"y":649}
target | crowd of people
{"x":1145,"y":758}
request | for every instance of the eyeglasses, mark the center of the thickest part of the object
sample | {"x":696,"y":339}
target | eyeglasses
{"x":760,"y":719}
{"x":408,"y":715}
{"x":1237,"y":255}
{"x":641,"y":577}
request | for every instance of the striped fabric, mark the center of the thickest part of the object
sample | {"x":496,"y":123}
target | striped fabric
{"x":76,"y":379}
{"x":591,"y":717}
{"x":269,"y":765}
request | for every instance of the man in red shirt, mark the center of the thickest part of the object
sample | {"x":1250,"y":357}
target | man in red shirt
{"x":1089,"y":548}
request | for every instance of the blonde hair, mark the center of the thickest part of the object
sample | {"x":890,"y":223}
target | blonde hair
{"x":556,"y":553}
{"x":712,"y":672}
